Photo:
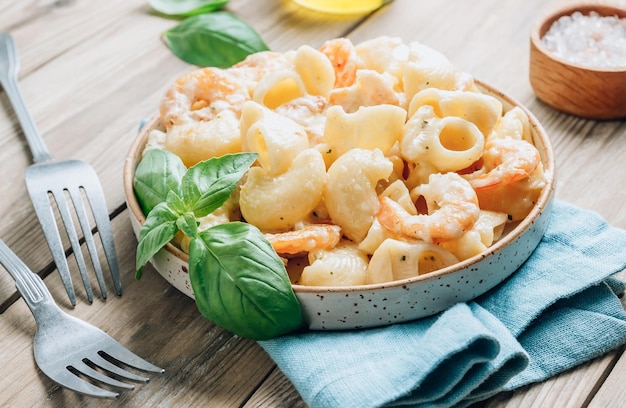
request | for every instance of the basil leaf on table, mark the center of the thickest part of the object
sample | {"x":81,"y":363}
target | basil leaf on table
{"x":218,"y":39}
{"x":186,"y":7}
{"x":158,"y":173}
{"x":241,"y":284}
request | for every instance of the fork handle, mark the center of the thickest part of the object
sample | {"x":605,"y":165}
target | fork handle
{"x":29,"y":284}
{"x":9,"y":68}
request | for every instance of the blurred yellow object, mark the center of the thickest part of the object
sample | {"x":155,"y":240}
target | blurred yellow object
{"x":341,"y":6}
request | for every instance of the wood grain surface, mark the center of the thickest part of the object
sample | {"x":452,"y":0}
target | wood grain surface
{"x":92,"y":70}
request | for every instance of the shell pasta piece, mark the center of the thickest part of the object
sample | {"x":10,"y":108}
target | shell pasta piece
{"x":277,"y":203}
{"x":485,"y":231}
{"x":343,"y":266}
{"x":482,"y":110}
{"x":427,"y":68}
{"x":371,"y":127}
{"x":395,"y":260}
{"x":278,"y":88}
{"x":448,"y":144}
{"x":384,"y":55}
{"x":316,"y":71}
{"x":350,"y":193}
{"x":513,"y":124}
{"x":277,"y":139}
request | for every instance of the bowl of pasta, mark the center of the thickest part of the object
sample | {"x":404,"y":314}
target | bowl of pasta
{"x":389,"y":184}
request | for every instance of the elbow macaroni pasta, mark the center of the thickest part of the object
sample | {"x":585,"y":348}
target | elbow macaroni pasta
{"x":277,"y":139}
{"x":376,"y":162}
{"x":350,"y":194}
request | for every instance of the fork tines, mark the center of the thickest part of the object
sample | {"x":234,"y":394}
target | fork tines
{"x":79,"y":189}
{"x":89,"y":375}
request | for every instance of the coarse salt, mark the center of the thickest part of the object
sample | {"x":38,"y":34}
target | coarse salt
{"x":588,"y":40}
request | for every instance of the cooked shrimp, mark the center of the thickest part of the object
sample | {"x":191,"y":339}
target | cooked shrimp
{"x":309,"y":111}
{"x":505,"y":161}
{"x":370,"y":88}
{"x":201,"y":95}
{"x":342,"y":54}
{"x":307,"y":239}
{"x":255,"y":66}
{"x":452,"y":210}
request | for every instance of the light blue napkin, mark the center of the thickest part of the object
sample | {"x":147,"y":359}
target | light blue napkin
{"x":558,"y":310}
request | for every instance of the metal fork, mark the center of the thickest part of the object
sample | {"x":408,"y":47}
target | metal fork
{"x":68,"y":349}
{"x":48,"y":179}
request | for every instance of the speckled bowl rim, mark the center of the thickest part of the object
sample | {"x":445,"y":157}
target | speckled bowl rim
{"x":542,"y":25}
{"x":543,"y":202}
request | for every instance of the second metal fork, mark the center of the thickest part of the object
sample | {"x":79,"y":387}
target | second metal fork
{"x":69,"y":184}
{"x":70,"y":351}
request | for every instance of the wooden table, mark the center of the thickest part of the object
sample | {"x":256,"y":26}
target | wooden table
{"x":92,"y":70}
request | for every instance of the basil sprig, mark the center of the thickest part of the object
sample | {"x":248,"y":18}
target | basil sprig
{"x":238,"y":280}
{"x":218,"y":39}
{"x":241,"y":284}
{"x":158,"y":173}
{"x":186,"y":7}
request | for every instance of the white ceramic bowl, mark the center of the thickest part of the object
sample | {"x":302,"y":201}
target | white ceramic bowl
{"x":336,"y":308}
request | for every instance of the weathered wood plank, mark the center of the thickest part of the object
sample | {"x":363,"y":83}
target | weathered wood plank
{"x":277,"y":392}
{"x":101,"y":67}
{"x":612,"y":392}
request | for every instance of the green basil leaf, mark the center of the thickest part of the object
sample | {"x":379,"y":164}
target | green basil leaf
{"x":186,"y":7}
{"x":240,"y":284}
{"x":176,"y":203}
{"x":218,"y":39}
{"x":208,"y":184}
{"x":159,"y":229}
{"x":158,"y":173}
{"x":188,"y":225}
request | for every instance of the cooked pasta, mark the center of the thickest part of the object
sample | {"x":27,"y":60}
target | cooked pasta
{"x":377,"y":161}
{"x":275,"y":203}
{"x":197,"y":141}
{"x":370,"y":89}
{"x":427,"y":68}
{"x":485,"y":231}
{"x":343,"y":266}
{"x":277,"y":139}
{"x":450,"y":143}
{"x":315,"y":70}
{"x":480,"y":109}
{"x":396,"y":259}
{"x":350,"y":194}
{"x":371,"y":127}
{"x":278,"y":88}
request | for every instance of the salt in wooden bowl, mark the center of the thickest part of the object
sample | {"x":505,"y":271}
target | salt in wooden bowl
{"x":576,"y":89}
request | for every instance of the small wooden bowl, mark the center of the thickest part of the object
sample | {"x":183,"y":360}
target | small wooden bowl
{"x":588,"y":92}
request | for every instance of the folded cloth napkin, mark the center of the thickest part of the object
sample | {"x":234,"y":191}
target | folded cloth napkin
{"x":560,"y":309}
